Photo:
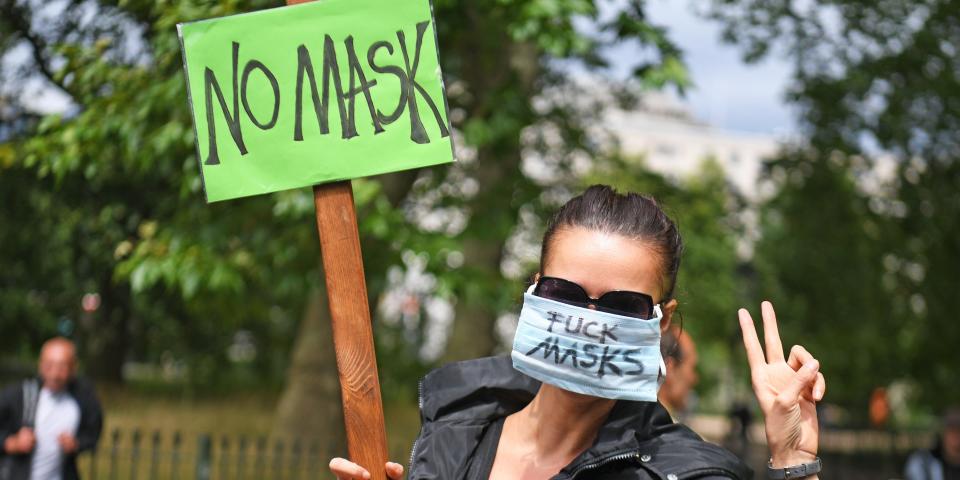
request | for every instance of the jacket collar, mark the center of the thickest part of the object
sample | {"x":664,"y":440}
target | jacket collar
{"x":490,"y":388}
{"x":481,"y":391}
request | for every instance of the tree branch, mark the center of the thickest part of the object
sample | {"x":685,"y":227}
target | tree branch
{"x":19,"y":19}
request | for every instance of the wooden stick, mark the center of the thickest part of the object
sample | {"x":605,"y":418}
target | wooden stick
{"x":352,"y":329}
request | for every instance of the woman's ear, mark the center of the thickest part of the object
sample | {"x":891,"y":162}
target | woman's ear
{"x":668,"y":309}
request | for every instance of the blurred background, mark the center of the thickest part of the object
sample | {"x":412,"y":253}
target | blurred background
{"x":810,"y":151}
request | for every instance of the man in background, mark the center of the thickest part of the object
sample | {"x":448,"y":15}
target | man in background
{"x":680,"y":356}
{"x":943,"y":461}
{"x":46,"y":422}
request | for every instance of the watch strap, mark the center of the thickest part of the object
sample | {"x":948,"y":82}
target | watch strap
{"x":795,"y":471}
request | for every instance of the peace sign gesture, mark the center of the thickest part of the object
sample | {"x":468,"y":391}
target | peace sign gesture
{"x":786,"y":389}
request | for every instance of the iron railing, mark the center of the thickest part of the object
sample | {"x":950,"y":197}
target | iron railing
{"x":155,"y":455}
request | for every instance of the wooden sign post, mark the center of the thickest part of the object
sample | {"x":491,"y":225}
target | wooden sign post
{"x":352,"y":329}
{"x":330,"y":91}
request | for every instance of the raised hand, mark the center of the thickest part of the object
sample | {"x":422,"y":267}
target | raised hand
{"x":344,"y":469}
{"x":787,"y":390}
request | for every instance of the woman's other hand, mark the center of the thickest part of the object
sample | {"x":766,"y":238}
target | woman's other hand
{"x":787,"y":390}
{"x":346,"y":470}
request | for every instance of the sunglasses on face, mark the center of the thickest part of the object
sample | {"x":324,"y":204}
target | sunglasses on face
{"x":619,"y":302}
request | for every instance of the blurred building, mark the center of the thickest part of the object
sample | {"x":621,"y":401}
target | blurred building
{"x":675,"y":144}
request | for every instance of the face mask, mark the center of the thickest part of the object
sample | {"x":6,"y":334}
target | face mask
{"x":588,"y":351}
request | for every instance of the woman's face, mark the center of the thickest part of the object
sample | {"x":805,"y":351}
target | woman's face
{"x":601,"y":262}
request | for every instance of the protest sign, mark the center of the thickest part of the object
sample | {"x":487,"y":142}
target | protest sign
{"x":318,"y":94}
{"x":314,"y":93}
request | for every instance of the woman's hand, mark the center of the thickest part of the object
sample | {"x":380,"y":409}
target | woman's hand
{"x":346,"y":470}
{"x":786,"y":389}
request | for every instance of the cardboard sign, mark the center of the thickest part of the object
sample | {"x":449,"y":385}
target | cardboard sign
{"x":314,"y":93}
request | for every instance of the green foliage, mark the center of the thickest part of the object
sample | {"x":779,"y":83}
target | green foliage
{"x":821,"y":260}
{"x":878,"y":84}
{"x":106,"y":196}
{"x":115,"y":183}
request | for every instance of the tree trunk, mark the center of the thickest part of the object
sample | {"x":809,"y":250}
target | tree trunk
{"x":493,"y":216}
{"x":310,"y":407}
{"x":503,"y":188}
{"x":473,"y":333}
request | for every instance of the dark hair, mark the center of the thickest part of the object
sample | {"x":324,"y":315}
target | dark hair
{"x":670,"y":345}
{"x":600,"y":208}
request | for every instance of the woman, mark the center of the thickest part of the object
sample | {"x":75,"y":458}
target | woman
{"x":577,"y":396}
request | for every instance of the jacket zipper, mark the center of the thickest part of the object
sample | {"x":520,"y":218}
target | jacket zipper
{"x":604,"y":461}
{"x":413,"y":450}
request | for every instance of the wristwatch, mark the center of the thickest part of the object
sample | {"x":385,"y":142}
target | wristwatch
{"x":793,"y":472}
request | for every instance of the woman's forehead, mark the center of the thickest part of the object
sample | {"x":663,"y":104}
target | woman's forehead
{"x":601,"y":262}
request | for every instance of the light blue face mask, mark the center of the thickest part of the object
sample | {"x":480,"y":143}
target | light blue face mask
{"x":588,"y":351}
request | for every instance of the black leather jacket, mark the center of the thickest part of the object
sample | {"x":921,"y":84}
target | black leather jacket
{"x":17,"y":467}
{"x":639,"y":441}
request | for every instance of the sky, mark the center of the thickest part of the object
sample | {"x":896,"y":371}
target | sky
{"x":727,"y":93}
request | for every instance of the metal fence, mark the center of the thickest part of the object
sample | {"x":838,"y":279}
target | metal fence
{"x":849,"y":454}
{"x":139,"y":455}
{"x":155,"y":455}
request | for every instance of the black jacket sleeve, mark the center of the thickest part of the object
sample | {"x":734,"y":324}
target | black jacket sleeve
{"x":91,"y":416}
{"x":10,"y":398}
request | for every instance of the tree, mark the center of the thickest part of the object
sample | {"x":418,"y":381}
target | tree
{"x":106,"y":198}
{"x":114,"y":186}
{"x":821,"y":261}
{"x":877,"y":82}
{"x":508,"y":66}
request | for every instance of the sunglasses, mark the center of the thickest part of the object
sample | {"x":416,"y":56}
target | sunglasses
{"x":619,"y":302}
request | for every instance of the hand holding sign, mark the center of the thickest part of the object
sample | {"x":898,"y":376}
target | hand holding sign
{"x":344,"y":469}
{"x":786,"y":389}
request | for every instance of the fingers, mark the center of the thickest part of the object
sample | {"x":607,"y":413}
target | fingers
{"x":819,"y":387}
{"x":27,"y":438}
{"x":750,"y":341}
{"x":771,"y":334}
{"x":347,"y":470}
{"x":801,"y":382}
{"x":799,"y":357}
{"x":394,"y":471}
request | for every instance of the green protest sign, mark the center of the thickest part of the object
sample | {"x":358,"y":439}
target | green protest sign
{"x":314,"y":93}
